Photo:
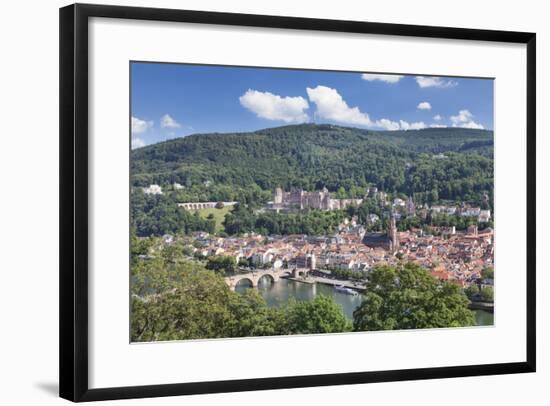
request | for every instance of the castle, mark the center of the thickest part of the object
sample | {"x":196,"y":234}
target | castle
{"x":299,"y":199}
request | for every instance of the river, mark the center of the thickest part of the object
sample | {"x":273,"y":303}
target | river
{"x":279,"y":293}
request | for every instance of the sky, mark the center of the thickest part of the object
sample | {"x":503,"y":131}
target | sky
{"x":175,"y":100}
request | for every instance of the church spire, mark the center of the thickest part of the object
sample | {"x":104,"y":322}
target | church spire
{"x":392,"y":234}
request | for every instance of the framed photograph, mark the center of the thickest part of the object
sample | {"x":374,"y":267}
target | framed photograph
{"x":258,"y":202}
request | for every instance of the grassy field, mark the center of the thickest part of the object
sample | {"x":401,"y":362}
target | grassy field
{"x":219,"y":215}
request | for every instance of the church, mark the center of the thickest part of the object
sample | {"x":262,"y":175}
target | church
{"x":388,"y":240}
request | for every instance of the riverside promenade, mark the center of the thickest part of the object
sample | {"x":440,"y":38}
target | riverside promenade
{"x":331,"y":282}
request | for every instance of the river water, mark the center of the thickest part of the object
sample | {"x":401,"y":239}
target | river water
{"x":279,"y":293}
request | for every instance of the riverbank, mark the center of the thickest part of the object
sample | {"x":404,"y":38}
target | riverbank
{"x":278,"y":294}
{"x":330,"y":282}
{"x":486,"y":306}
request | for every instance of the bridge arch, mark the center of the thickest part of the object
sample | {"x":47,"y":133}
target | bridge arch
{"x":267,"y":276}
{"x":253,"y":278}
{"x":248,"y":281}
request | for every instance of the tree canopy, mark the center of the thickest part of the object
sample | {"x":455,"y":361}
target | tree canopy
{"x":320,"y":315}
{"x":222,"y":264}
{"x":408,"y":297}
{"x":247,"y":167}
{"x":176,"y":299}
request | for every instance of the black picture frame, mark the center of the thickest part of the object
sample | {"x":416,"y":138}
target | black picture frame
{"x":73,"y":254}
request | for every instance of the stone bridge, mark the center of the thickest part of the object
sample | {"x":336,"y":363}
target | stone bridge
{"x":254,"y":276}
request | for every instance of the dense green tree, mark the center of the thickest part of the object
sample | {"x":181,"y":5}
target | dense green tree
{"x":313,"y":222}
{"x":472,"y":291}
{"x":247,"y":167}
{"x":348,"y":274}
{"x":252,"y":317}
{"x":177,"y":302}
{"x":139,"y":246}
{"x":408,"y":297}
{"x":486,"y":294}
{"x":177,"y":299}
{"x":159,"y":214}
{"x":187,"y":250}
{"x":488,"y":273}
{"x":240,"y":220}
{"x":221,"y":264}
{"x":320,"y":315}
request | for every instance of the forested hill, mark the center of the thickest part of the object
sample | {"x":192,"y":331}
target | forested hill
{"x":311,"y":156}
{"x":438,"y":140}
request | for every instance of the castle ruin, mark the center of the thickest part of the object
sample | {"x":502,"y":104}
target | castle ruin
{"x":299,"y":200}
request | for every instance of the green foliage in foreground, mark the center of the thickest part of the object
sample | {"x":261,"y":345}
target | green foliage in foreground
{"x":175,"y":299}
{"x":320,"y":315}
{"x":408,"y":297}
{"x":185,"y":301}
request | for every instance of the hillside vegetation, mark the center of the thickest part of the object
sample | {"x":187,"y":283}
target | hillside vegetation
{"x":431,"y":164}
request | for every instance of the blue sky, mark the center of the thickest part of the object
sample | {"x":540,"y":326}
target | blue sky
{"x":175,"y":100}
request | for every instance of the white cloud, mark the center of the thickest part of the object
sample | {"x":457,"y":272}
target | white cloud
{"x":137,"y":143}
{"x":387,"y":124}
{"x":140,"y":126}
{"x":371,"y":77}
{"x":438,"y":125}
{"x":412,"y":126}
{"x":168,"y":122}
{"x":401,"y":125}
{"x":331,"y":106}
{"x":274,"y":107}
{"x":464,"y":119}
{"x":424,"y":106}
{"x":434,"y":81}
{"x":471,"y":124}
{"x":437,"y":117}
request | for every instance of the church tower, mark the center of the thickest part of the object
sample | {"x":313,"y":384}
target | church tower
{"x":411,"y":208}
{"x":393,"y":235}
{"x":278,"y":196}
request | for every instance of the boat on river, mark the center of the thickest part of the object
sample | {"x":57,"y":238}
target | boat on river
{"x":347,"y":291}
